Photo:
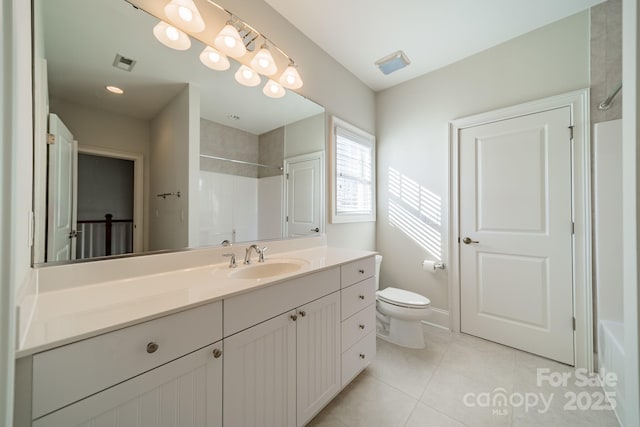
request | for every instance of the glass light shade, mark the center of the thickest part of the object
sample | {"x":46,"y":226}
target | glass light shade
{"x":185,"y":14}
{"x":228,"y":41}
{"x":247,"y":77}
{"x":214,"y":59}
{"x":290,"y":78}
{"x":171,"y":37}
{"x":263,"y":62}
{"x":273,"y":89}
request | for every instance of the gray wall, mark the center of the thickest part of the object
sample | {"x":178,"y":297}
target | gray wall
{"x":105,"y":185}
{"x":224,"y":141}
{"x":271,"y":152}
{"x":606,"y":59}
{"x":171,"y":135}
{"x":412,"y":133}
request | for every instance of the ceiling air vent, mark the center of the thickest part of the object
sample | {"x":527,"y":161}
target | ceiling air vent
{"x":393,"y":62}
{"x":124,"y":63}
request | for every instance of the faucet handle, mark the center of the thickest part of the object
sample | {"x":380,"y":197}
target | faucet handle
{"x":261,"y":253}
{"x":232,"y":261}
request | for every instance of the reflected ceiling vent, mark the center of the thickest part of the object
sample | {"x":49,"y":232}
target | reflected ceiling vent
{"x":393,"y":62}
{"x":124,"y":63}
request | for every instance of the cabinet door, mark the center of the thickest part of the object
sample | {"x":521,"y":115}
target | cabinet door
{"x":318,"y":344}
{"x":260,"y":374}
{"x":186,"y":392}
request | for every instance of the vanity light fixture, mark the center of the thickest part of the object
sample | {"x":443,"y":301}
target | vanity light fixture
{"x":247,"y":77}
{"x":171,"y":37}
{"x":214,"y":59}
{"x":263,"y":62}
{"x":290,"y":77}
{"x":114,"y":89}
{"x":273,"y":89}
{"x":229,"y":42}
{"x":185,"y":14}
{"x":234,"y":40}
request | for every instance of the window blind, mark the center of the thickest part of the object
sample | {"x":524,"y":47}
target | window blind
{"x":354,"y":173}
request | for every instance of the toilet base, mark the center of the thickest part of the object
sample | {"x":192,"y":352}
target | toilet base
{"x":405,"y":333}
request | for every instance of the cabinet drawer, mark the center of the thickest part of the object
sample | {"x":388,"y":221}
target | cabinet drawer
{"x":246,"y":310}
{"x":69,"y":373}
{"x":357,"y":271}
{"x":358,"y":296}
{"x":358,"y":357}
{"x":358,"y":325}
{"x":191,"y":394}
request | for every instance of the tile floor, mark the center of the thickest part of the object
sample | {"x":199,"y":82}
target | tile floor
{"x":425,"y":388}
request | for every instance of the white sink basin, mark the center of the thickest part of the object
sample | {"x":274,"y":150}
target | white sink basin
{"x":268,"y":268}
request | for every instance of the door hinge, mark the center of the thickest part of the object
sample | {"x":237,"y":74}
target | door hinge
{"x":571,"y":132}
{"x":287,"y":175}
{"x":573,"y":228}
{"x":287,"y":219}
{"x":458,"y":240}
{"x":51,"y":139}
{"x":573,"y":323}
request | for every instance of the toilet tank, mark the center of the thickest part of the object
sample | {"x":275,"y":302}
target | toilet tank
{"x":378,"y":262}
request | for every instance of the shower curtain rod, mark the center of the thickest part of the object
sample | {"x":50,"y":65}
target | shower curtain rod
{"x":241,"y":162}
{"x":606,"y":104}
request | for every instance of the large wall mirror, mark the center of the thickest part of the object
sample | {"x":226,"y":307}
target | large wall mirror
{"x":185,"y":157}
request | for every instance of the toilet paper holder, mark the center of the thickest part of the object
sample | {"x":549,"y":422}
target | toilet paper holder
{"x":433,"y":265}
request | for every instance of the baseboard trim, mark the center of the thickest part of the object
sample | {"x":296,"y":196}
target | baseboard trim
{"x":438,"y":318}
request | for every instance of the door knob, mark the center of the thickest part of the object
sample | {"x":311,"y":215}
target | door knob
{"x":294,"y":317}
{"x":467,"y":241}
{"x":317,"y":229}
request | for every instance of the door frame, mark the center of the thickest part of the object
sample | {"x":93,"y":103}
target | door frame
{"x":285,"y":189}
{"x":578,"y":101}
{"x":138,"y":186}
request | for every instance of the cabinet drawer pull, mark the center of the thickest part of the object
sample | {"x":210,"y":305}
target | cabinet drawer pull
{"x":217,"y":353}
{"x":303,"y":313}
{"x":152,"y":347}
{"x":362,"y":356}
{"x":294,"y":317}
{"x":361,"y":326}
{"x":361,"y":296}
{"x":361,"y":271}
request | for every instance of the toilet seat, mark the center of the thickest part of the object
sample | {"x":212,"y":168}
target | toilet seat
{"x":402,"y":298}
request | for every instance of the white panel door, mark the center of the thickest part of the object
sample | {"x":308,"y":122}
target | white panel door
{"x":260,"y":374}
{"x":318,"y":343}
{"x":304,"y":208}
{"x":62,"y":192}
{"x":516,"y":233}
{"x":186,"y":392}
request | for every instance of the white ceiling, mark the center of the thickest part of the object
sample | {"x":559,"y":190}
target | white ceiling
{"x":433,"y":33}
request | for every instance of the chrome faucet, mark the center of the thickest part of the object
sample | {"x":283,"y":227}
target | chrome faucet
{"x":259,"y":251}
{"x":232,"y":261}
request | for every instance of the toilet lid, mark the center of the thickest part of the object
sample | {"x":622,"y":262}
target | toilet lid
{"x":404,"y":298}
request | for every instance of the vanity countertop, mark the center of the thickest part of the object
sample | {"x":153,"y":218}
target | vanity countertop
{"x":66,"y":315}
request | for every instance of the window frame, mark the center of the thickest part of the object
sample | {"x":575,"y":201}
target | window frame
{"x":366,"y":139}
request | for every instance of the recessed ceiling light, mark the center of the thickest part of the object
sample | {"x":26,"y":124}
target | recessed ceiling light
{"x":393,"y":62}
{"x":114,"y":89}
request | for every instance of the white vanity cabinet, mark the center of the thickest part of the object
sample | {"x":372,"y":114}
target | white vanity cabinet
{"x":358,"y":296}
{"x":165,"y":367}
{"x":184,"y":392}
{"x":282,"y":371}
{"x":277,"y":354}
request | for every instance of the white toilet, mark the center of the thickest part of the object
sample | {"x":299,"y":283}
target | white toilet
{"x":399,"y":314}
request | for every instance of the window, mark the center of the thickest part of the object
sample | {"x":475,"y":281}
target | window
{"x":353,"y":175}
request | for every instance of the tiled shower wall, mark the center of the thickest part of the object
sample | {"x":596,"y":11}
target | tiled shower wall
{"x":606,"y":59}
